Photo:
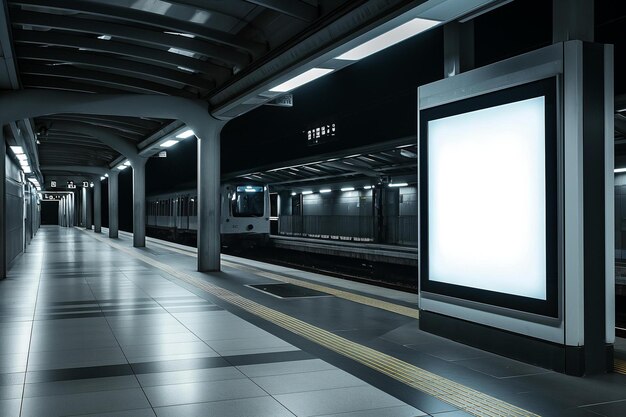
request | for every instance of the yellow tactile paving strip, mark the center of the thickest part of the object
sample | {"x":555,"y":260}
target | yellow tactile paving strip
{"x":619,"y":366}
{"x":458,"y":395}
{"x":361,"y":299}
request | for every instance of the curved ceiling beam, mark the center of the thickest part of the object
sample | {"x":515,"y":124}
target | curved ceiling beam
{"x":111,"y":124}
{"x":118,"y":81}
{"x":294,"y":8}
{"x":130,"y":122}
{"x":137,"y":16}
{"x":131,"y":68}
{"x":81,"y":169}
{"x":159,"y":39}
{"x":26,"y":103}
{"x":49,"y":83}
{"x":121,"y":145}
{"x":154,"y":56}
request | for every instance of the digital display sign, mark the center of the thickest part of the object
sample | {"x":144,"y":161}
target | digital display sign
{"x":321,"y":134}
{"x":488,"y":183}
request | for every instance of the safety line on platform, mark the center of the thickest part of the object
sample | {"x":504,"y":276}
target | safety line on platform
{"x":619,"y":366}
{"x":350,"y":296}
{"x":467,"y":399}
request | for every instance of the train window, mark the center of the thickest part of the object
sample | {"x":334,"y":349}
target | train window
{"x":248,"y":201}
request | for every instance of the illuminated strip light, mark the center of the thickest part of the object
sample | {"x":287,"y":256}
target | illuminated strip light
{"x":326,"y":190}
{"x":121,"y":167}
{"x":347,"y":189}
{"x":367,"y":187}
{"x":387,"y":39}
{"x":618,"y":170}
{"x":307,"y":192}
{"x":299,"y":80}
{"x":21,"y":157}
{"x":399,"y":184}
{"x":169,"y":143}
{"x":127,"y":163}
{"x":17,"y":150}
{"x":186,"y":134}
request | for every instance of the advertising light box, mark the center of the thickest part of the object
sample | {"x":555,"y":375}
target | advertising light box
{"x":488,"y":198}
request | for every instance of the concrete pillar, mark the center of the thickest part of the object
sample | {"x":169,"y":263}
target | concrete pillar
{"x":458,"y":48}
{"x":3,"y":235}
{"x":139,"y":202}
{"x":113,"y":204}
{"x":209,"y":243}
{"x":572,"y":20}
{"x":83,"y":207}
{"x":97,"y":205}
{"x":88,"y":208}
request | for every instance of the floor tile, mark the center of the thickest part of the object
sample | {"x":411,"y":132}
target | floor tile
{"x":309,"y":381}
{"x":248,"y":407}
{"x":166,"y":395}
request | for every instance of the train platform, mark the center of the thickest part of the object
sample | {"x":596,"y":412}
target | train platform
{"x":94,"y":327}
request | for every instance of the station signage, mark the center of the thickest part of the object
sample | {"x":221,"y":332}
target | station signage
{"x":53,"y":184}
{"x":86,"y":184}
{"x":70,"y":184}
{"x":321,"y":134}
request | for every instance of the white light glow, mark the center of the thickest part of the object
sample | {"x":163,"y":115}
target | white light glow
{"x":121,"y":167}
{"x":367,"y":187}
{"x":387,"y":39}
{"x":24,"y":162}
{"x":487,"y":221}
{"x":398,"y":184}
{"x":325,"y":190}
{"x":106,"y":175}
{"x":169,"y":143}
{"x":127,"y":163}
{"x":307,"y":192}
{"x":21,"y":157}
{"x":293,"y":193}
{"x":618,"y":170}
{"x":27,"y":170}
{"x":186,"y":134}
{"x":347,"y":189}
{"x":105,"y":37}
{"x":102,"y":178}
{"x":182,"y":52}
{"x":17,"y":150}
{"x":91,"y":184}
{"x":297,"y":81}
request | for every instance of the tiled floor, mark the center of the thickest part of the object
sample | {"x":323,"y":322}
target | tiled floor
{"x":87,"y":331}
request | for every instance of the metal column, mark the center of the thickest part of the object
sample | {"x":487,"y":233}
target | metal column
{"x":139,"y":202}
{"x":83,"y":207}
{"x":113,"y":204}
{"x":88,"y":208}
{"x":209,"y":244}
{"x":97,"y":205}
{"x":3,"y":230}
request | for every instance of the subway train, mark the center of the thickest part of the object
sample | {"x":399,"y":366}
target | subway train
{"x":244,"y":215}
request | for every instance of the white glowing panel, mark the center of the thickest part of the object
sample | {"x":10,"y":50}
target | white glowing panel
{"x":487,"y":199}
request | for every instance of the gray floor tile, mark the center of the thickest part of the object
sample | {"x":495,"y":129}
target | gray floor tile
{"x":281,"y":368}
{"x":145,"y":412}
{"x":93,"y":402}
{"x":193,"y":375}
{"x":137,"y":353}
{"x":402,"y":411}
{"x":309,"y":381}
{"x":11,"y":392}
{"x":341,"y":400}
{"x":165,"y":395}
{"x":248,"y":407}
{"x":45,"y":389}
{"x":10,"y":408}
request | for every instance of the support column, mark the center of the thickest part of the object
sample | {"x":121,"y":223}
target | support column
{"x":3,"y":230}
{"x":83,"y":207}
{"x":209,"y":241}
{"x":458,"y":48}
{"x":88,"y":208}
{"x":113,"y":204}
{"x":97,"y":205}
{"x":139,"y":202}
{"x":572,"y":20}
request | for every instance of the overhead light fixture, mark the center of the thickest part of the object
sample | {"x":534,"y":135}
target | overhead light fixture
{"x":127,"y":163}
{"x":347,"y":189}
{"x":21,"y":157}
{"x":182,"y":52}
{"x":121,"y":167}
{"x":293,"y":193}
{"x":398,"y":184}
{"x":186,"y":35}
{"x":23,"y":162}
{"x":186,"y":134}
{"x":408,"y":154}
{"x":27,"y":170}
{"x":91,"y":184}
{"x":106,"y":175}
{"x":105,"y":37}
{"x":367,"y":187}
{"x":307,"y":192}
{"x":102,"y":178}
{"x":298,"y":80}
{"x":387,"y":39}
{"x":186,"y":69}
{"x":325,"y":190}
{"x":17,"y":150}
{"x":169,"y":143}
{"x":617,"y":170}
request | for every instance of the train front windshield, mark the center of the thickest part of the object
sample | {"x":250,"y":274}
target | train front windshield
{"x":248,"y":201}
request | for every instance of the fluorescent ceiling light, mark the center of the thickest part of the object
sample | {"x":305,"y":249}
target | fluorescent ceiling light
{"x":169,"y":143}
{"x":387,"y":39}
{"x":186,"y":69}
{"x":21,"y":157}
{"x":27,"y":170}
{"x":307,"y":192}
{"x":347,"y":189}
{"x":298,"y":80}
{"x":121,"y":167}
{"x":102,"y":178}
{"x":127,"y":163}
{"x":17,"y":150}
{"x":398,"y":184}
{"x":91,"y":184}
{"x":23,"y":162}
{"x":367,"y":187}
{"x":186,"y":134}
{"x":293,"y":193}
{"x":105,"y":37}
{"x":326,"y":190}
{"x":106,"y":175}
{"x":182,"y":52}
{"x":619,"y":170}
{"x":186,"y":35}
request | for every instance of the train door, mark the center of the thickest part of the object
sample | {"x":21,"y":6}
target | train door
{"x":273,"y":213}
